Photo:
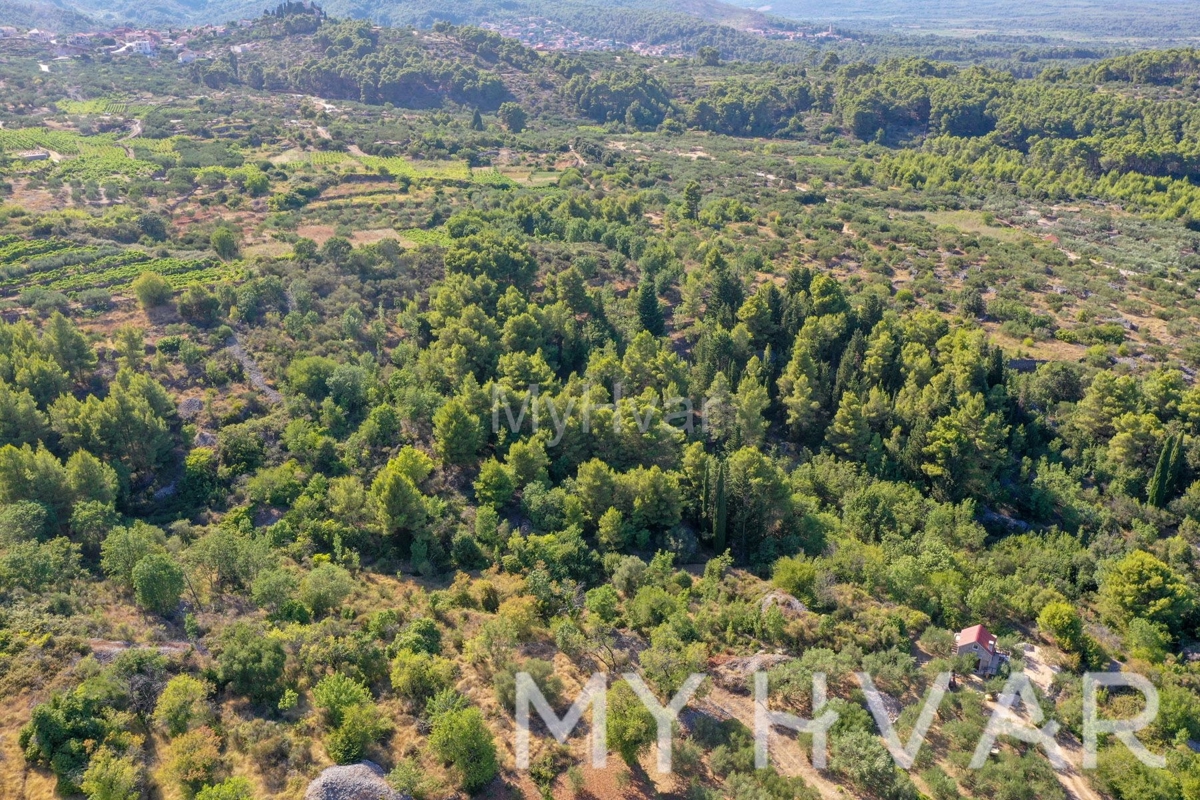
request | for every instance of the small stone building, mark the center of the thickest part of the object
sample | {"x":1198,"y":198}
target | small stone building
{"x":979,"y":642}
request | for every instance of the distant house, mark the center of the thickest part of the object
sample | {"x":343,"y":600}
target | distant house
{"x":187,"y":56}
{"x":7,"y":31}
{"x":1025,"y":364}
{"x":39,"y":36}
{"x":143,"y":47}
{"x":979,"y":642}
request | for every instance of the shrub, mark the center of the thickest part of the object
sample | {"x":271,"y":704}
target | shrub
{"x":59,"y":730}
{"x":158,"y":583}
{"x":224,"y":244}
{"x":410,"y":778}
{"x":95,"y":299}
{"x":325,"y":588}
{"x":193,"y":758}
{"x":231,"y":789}
{"x":504,"y":683}
{"x":795,"y":575}
{"x":420,"y":636}
{"x":110,"y":776}
{"x":631,"y":727}
{"x":251,"y":663}
{"x":181,"y":704}
{"x":151,"y":290}
{"x":462,"y":739}
{"x":418,"y":676}
{"x":603,"y":602}
{"x":336,"y":693}
{"x":362,"y":726}
{"x":199,"y":306}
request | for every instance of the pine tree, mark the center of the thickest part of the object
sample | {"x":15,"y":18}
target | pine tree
{"x":750,"y":404}
{"x":719,"y":411}
{"x":727,"y":292}
{"x":995,"y":366}
{"x":69,"y":347}
{"x":457,"y":433}
{"x":797,"y":392}
{"x":691,"y":199}
{"x":849,"y":434}
{"x":850,"y":367}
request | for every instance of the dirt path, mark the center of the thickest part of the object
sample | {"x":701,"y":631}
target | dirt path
{"x":105,"y":650}
{"x":253,"y":371}
{"x":1040,"y":673}
{"x":786,"y":754}
{"x":582,"y":162}
{"x":134,"y":131}
{"x":1071,"y":779}
{"x":790,"y":759}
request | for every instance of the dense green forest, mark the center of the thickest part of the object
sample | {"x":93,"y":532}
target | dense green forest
{"x":833,"y":358}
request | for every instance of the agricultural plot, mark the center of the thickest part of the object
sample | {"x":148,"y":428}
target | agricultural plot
{"x":152,"y":145}
{"x":84,"y":157}
{"x":453,"y":170}
{"x":420,"y":236}
{"x":96,"y":162}
{"x":64,"y":143}
{"x":103,"y":106}
{"x":328,"y":158}
{"x":65,"y":266}
{"x":438,"y":170}
{"x":492,"y":177}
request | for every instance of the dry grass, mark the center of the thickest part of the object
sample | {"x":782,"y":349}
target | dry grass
{"x":270,"y":249}
{"x":360,"y":238}
{"x":527,"y":176}
{"x":318,"y":233}
{"x":972,"y":222}
{"x":17,"y":780}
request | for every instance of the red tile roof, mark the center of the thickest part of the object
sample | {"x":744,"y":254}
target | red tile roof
{"x":979,"y":635}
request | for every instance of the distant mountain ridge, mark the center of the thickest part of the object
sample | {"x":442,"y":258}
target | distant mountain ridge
{"x":1137,"y":21}
{"x":68,"y":15}
{"x":44,"y":16}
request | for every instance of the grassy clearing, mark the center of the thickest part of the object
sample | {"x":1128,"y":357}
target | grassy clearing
{"x":974,"y":222}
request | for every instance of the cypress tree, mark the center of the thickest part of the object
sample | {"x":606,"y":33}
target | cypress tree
{"x":850,"y":367}
{"x":649,"y":311}
{"x":1155,"y":489}
{"x":477,"y":121}
{"x":1178,"y":462}
{"x":996,"y":366}
{"x":1166,"y":471}
{"x":720,"y":510}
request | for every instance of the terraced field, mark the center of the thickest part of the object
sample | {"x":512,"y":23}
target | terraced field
{"x":65,"y":266}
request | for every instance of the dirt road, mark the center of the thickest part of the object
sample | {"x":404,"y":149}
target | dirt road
{"x":786,"y":754}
